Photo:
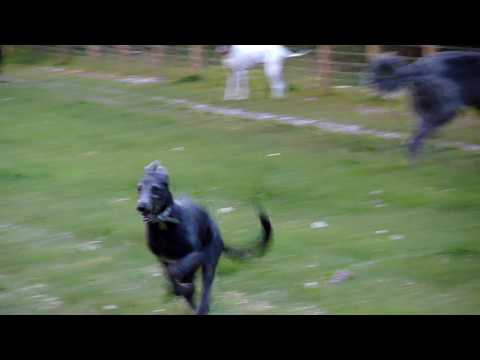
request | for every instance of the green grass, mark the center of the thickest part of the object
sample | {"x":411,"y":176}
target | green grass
{"x":180,"y":81}
{"x":73,"y":150}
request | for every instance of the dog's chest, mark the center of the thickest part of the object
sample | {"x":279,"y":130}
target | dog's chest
{"x":168,"y":245}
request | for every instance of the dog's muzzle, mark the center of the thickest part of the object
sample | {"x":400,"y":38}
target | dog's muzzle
{"x":145,"y":211}
{"x":141,"y":207}
{"x":149,"y":216}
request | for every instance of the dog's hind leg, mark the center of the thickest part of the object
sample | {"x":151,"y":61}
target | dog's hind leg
{"x":274,"y":72}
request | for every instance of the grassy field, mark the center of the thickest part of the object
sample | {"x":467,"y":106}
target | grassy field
{"x":71,"y":243}
{"x":343,"y":105}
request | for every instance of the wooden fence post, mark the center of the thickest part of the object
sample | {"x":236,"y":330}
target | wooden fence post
{"x":122,"y":50}
{"x":324,"y":66}
{"x":157,"y":54}
{"x":428,"y":50}
{"x":196,"y":56}
{"x":64,"y":54}
{"x":93,"y":51}
{"x":373,"y":50}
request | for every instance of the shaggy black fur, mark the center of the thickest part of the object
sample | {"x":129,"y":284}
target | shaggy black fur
{"x":441,"y":86}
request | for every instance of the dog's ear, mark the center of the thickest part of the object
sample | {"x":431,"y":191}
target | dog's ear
{"x":156,"y":167}
{"x":153,"y":166}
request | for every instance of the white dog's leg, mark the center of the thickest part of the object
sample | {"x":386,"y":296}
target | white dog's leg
{"x":274,"y":72}
{"x":238,"y":85}
{"x":244,"y":92}
{"x":278,"y":90}
{"x":229,"y":87}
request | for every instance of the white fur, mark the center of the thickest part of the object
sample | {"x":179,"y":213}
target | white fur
{"x":241,"y":58}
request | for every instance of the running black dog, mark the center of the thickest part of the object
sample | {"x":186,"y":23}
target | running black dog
{"x":185,"y":238}
{"x":441,"y":86}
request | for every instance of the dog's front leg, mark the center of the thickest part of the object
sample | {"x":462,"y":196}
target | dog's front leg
{"x":238,"y":84}
{"x":428,"y":124}
{"x":417,"y":140}
{"x":178,"y":288}
{"x":182,"y":275}
{"x":230,"y":86}
{"x":244,"y":92}
{"x":208,"y":274}
{"x":187,"y":265}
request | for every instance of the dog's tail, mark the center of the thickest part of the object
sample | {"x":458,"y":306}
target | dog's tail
{"x":298,"y":54}
{"x":262,"y":245}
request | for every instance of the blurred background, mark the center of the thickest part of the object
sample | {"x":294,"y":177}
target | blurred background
{"x":358,"y":230}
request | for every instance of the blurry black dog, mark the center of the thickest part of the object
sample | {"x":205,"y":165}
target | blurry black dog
{"x":185,"y":238}
{"x":441,"y":86}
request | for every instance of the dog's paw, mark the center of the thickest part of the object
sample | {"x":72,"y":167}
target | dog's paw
{"x":183,"y":289}
{"x":203,"y":310}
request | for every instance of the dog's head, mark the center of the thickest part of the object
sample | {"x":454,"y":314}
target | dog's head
{"x":154,"y":195}
{"x":384,"y":73}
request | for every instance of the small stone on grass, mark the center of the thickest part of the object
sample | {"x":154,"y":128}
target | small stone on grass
{"x":226,"y":210}
{"x":319,"y":225}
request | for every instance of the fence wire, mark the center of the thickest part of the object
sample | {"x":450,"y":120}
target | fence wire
{"x":347,"y":63}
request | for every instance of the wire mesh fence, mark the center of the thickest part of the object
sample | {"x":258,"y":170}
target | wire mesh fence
{"x":324,"y":67}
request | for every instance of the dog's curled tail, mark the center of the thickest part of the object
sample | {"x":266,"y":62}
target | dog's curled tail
{"x":260,"y":248}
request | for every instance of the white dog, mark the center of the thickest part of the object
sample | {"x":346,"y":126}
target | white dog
{"x":239,"y":59}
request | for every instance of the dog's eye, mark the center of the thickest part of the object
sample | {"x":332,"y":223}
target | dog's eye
{"x":139,"y":188}
{"x":156,"y":189}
